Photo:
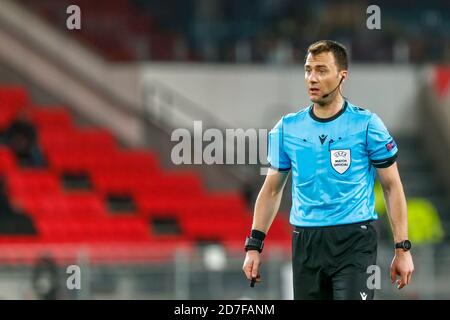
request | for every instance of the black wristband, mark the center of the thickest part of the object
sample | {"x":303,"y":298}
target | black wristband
{"x":254,"y":244}
{"x":256,"y":234}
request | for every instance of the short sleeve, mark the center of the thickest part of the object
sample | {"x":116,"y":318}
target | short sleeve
{"x":381,"y":146}
{"x":276,"y":154}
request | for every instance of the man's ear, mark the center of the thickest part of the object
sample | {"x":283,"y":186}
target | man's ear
{"x":344,"y":75}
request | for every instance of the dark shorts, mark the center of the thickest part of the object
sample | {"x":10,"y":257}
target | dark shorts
{"x":331,"y":262}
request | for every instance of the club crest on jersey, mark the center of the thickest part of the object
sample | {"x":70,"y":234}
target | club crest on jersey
{"x":340,"y":160}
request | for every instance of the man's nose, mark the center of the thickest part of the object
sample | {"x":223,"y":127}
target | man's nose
{"x":312,"y":80}
{"x":312,"y":77}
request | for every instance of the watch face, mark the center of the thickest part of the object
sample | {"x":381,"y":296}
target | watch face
{"x":407,"y":244}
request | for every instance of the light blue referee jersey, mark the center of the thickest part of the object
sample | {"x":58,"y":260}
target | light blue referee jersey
{"x":333,"y":163}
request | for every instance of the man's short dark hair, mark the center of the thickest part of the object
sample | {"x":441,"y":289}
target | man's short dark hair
{"x":338,"y":50}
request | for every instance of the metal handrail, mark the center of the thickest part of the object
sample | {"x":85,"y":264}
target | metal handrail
{"x":171,"y":107}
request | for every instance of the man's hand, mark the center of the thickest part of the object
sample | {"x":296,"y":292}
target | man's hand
{"x":251,"y":265}
{"x":402,"y":265}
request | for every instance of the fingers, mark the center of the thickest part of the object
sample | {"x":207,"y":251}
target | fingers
{"x":409,"y":278}
{"x":405,"y":278}
{"x":254,"y":280}
{"x":255,"y":277}
{"x":393,"y":274}
{"x":400,"y":284}
{"x":248,"y":270}
{"x":255,"y":270}
{"x":403,"y":267}
{"x":251,"y":268}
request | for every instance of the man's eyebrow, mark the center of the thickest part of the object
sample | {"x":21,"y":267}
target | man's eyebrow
{"x":316,"y":66}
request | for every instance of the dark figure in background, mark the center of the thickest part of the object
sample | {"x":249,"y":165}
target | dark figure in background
{"x":12,"y":220}
{"x":46,"y":278}
{"x":21,"y":137}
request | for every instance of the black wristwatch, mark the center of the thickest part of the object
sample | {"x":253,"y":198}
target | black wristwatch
{"x":405,"y":245}
{"x":254,"y":244}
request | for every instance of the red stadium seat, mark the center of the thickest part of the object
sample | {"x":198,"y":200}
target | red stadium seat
{"x":13,"y":97}
{"x":32,"y":182}
{"x":7,"y":161}
{"x":51,"y":119}
{"x":182,"y":182}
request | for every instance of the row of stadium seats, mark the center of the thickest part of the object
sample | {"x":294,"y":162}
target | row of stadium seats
{"x":90,"y":229}
{"x":132,"y":26}
{"x":134,"y":181}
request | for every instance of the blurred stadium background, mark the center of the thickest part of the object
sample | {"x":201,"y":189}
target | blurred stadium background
{"x":86,"y":118}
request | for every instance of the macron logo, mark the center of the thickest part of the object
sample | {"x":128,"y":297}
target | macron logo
{"x":363,"y":295}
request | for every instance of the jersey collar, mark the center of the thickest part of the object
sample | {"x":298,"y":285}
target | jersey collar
{"x":337,"y":115}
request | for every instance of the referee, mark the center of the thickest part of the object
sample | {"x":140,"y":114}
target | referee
{"x":334,"y":150}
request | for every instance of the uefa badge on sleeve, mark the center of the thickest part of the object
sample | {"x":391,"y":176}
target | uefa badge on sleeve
{"x":391,"y":145}
{"x":340,"y":160}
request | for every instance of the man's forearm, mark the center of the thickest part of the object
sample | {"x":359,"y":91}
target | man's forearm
{"x":397,"y":210}
{"x":266,"y":208}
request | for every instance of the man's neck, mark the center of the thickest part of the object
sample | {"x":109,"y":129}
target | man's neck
{"x":330,"y":109}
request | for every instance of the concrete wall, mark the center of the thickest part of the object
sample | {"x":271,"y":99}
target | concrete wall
{"x":257,"y":96}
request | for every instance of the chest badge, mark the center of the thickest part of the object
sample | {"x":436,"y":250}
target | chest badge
{"x":340,"y":160}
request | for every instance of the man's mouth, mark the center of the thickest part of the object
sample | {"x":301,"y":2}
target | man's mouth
{"x":314,"y":91}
